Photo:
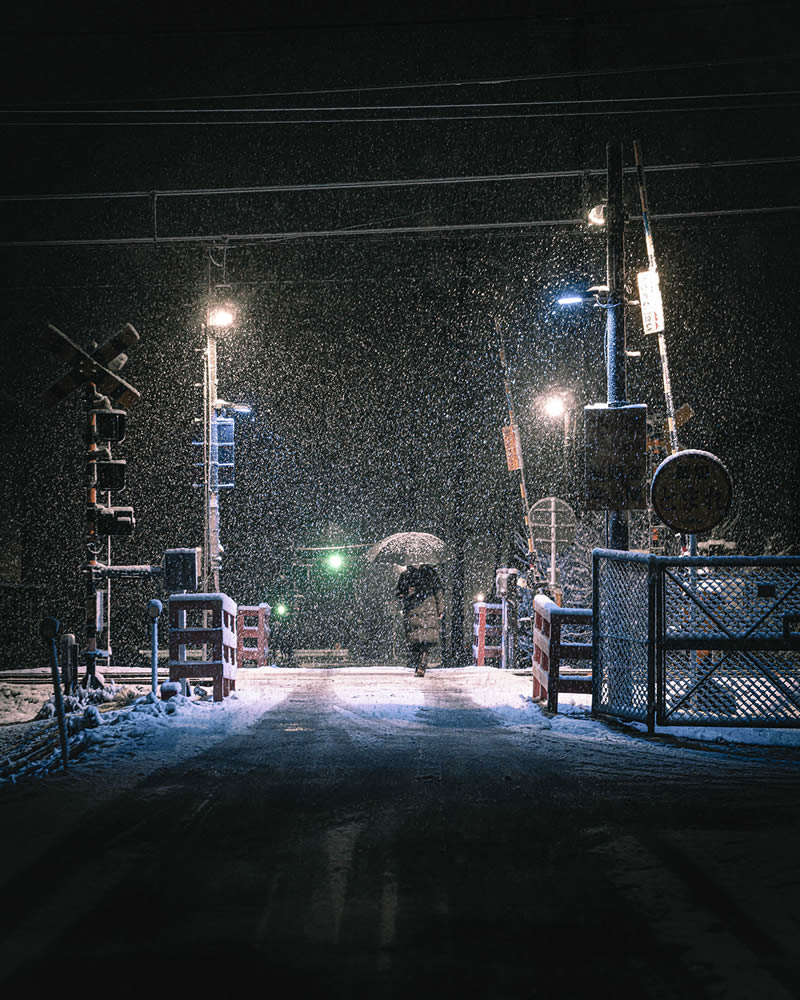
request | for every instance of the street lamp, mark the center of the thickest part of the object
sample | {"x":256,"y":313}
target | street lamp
{"x":615,"y":431}
{"x":217,"y":440}
{"x":558,"y":404}
{"x":554,"y":406}
{"x":220,"y":317}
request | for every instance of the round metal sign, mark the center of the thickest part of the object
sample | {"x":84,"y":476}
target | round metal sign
{"x":551,"y":519}
{"x":691,"y":491}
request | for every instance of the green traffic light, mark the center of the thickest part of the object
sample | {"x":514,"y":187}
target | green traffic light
{"x":281,"y":609}
{"x":335,"y":560}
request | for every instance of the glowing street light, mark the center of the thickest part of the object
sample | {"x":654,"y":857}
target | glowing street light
{"x":559,"y":404}
{"x":221,"y":317}
{"x":597,"y":216}
{"x":554,"y":406}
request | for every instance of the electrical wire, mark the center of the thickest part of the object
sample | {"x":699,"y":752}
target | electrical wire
{"x":481,"y":81}
{"x":405,"y":118}
{"x":392,"y":183}
{"x":553,"y":102}
{"x":253,"y":238}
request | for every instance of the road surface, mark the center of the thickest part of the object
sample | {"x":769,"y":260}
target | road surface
{"x":323,"y":852}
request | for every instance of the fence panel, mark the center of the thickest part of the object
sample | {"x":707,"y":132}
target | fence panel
{"x":729,"y":641}
{"x":623,"y":635}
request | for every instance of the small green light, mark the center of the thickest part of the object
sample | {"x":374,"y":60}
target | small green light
{"x":335,"y":560}
{"x":281,"y":609}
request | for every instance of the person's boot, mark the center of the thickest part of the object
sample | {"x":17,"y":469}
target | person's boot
{"x":423,"y":662}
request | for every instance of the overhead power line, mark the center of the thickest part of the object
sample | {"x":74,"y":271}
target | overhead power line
{"x":537,"y":175}
{"x":227,"y":239}
{"x":399,"y":118}
{"x":491,"y":81}
{"x":363,"y":108}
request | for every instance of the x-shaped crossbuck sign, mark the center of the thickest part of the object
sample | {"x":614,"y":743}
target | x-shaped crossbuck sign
{"x":92,"y":367}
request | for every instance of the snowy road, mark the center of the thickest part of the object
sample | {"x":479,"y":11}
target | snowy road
{"x":427,"y":840}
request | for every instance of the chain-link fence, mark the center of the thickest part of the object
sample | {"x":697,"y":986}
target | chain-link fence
{"x":730,"y":642}
{"x":697,"y":641}
{"x":623,"y":635}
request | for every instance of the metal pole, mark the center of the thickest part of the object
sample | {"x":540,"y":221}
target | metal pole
{"x":108,"y":588}
{"x":212,"y":475}
{"x":532,"y":566}
{"x":154,"y":654}
{"x":672,"y":432}
{"x":70,"y":660}
{"x":618,"y":534}
{"x":48,"y":630}
{"x":92,"y":541}
{"x":154,"y":609}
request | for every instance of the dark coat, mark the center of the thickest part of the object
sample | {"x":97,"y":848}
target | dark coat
{"x":420,"y":591}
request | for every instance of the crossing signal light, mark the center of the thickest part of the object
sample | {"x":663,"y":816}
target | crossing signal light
{"x":114,"y":520}
{"x":110,"y":474}
{"x":109,"y":424}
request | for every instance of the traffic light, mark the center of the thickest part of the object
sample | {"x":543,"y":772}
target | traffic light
{"x":110,"y":474}
{"x":114,"y":520}
{"x":181,"y":569}
{"x":109,"y":424}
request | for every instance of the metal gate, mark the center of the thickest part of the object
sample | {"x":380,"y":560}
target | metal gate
{"x":711,"y":640}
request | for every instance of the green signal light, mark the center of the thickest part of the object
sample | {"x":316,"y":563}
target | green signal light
{"x":281,"y":609}
{"x":335,"y":560}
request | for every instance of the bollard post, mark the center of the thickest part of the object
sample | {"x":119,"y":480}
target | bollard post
{"x":69,"y":659}
{"x":154,"y":609}
{"x":49,"y":630}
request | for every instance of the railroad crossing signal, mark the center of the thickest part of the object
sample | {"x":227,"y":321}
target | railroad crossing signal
{"x":95,"y":370}
{"x":98,"y":366}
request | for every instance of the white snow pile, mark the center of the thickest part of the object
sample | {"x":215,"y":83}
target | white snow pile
{"x":82,"y":699}
{"x":19,"y":703}
{"x":152,"y":730}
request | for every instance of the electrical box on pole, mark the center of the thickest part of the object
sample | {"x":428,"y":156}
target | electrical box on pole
{"x":615,"y":457}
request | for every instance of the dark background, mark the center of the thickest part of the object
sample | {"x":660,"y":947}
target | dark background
{"x":371,"y":361}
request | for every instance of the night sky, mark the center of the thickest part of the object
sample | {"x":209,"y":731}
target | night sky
{"x":370,"y":360}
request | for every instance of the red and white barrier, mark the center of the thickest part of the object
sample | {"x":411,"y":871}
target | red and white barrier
{"x":487,"y":632}
{"x":260,"y":632}
{"x":549,"y":650}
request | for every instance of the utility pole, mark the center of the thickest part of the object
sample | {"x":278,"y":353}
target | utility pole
{"x":617,"y":525}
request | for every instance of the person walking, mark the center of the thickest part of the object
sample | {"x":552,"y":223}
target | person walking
{"x":420,"y":592}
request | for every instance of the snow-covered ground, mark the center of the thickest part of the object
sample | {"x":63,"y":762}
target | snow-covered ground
{"x":128,"y":723}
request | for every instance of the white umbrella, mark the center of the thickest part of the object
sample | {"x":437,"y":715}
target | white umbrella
{"x":408,"y":548}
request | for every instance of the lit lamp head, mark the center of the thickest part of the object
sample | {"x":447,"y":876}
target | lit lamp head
{"x":597,"y":216}
{"x":220,"y":317}
{"x":554,"y":406}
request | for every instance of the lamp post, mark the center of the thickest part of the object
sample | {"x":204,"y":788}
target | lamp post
{"x":558,"y":404}
{"x":615,"y":431}
{"x":218,"y":319}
